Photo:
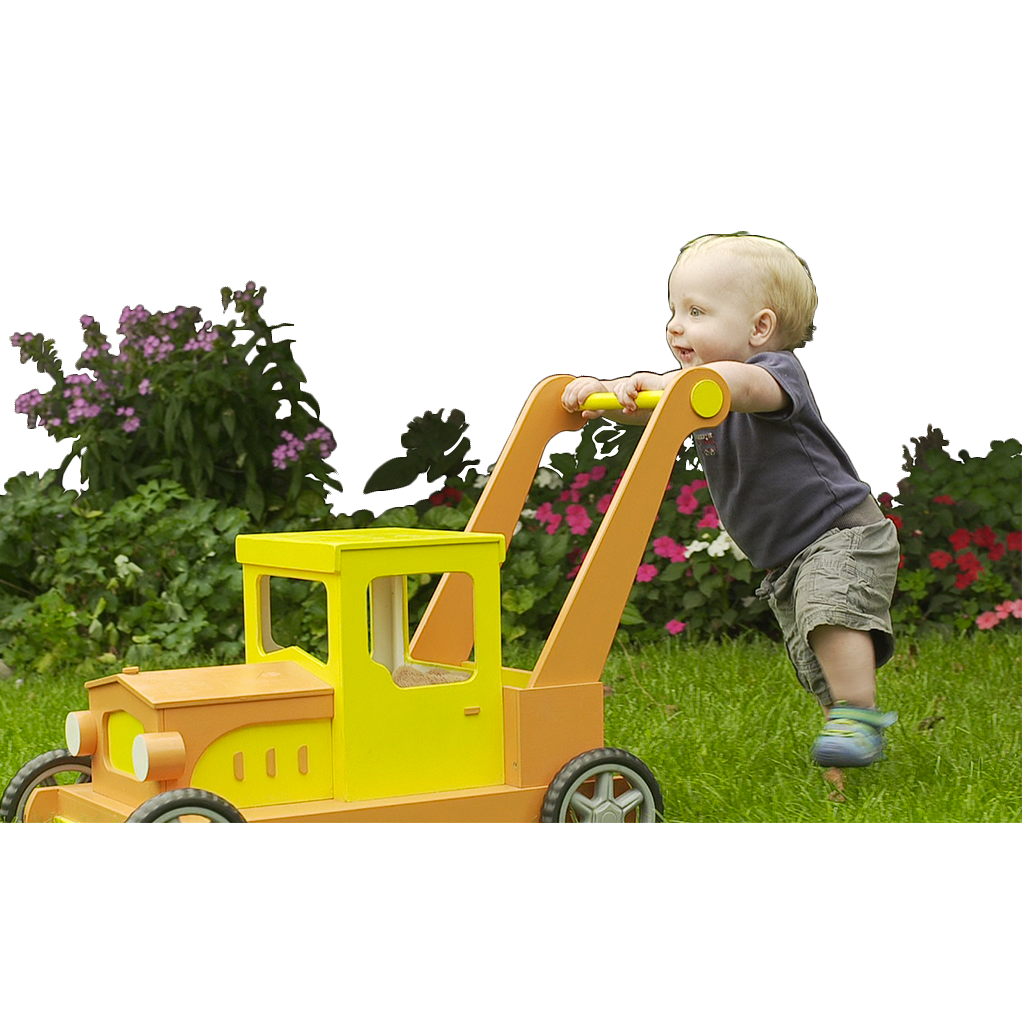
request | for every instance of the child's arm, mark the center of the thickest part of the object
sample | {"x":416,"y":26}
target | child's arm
{"x":625,"y":390}
{"x":751,"y":388}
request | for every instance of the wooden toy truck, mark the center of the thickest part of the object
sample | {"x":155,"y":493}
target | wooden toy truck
{"x":381,"y":728}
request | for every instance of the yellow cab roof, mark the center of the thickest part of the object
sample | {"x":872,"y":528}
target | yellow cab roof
{"x":321,"y":550}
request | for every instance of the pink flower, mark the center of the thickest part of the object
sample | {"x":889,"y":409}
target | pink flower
{"x":131,"y":424}
{"x":1008,"y":608}
{"x":543,"y":512}
{"x":603,"y":502}
{"x":664,"y":546}
{"x":646,"y":573}
{"x":710,"y":518}
{"x":987,"y":620}
{"x":686,"y":502}
{"x":598,"y":473}
{"x":674,"y":626}
{"x":554,"y":521}
{"x":577,"y":518}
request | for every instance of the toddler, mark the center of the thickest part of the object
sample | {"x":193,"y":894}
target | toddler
{"x":785,"y":490}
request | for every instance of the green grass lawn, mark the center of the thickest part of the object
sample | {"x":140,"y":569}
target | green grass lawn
{"x":727,"y":729}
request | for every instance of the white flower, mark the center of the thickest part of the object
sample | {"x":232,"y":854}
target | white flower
{"x":719,"y":545}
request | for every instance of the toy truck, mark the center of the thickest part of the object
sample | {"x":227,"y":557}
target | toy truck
{"x":381,"y":727}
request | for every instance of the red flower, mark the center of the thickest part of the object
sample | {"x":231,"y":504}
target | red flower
{"x":996,"y":552}
{"x":944,"y":499}
{"x":968,"y":561}
{"x":940,"y":559}
{"x":885,"y":500}
{"x":1013,"y":541}
{"x":897,"y":522}
{"x":965,"y":579}
{"x":960,"y":539}
{"x":985,"y":537}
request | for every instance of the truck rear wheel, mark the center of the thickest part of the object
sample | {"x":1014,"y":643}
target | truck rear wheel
{"x":185,"y":805}
{"x":54,"y":768}
{"x":604,"y":785}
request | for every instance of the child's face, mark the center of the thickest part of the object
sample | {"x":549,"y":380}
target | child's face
{"x":713,"y":315}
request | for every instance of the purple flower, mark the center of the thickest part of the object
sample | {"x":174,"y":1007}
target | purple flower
{"x":87,"y":321}
{"x":325,"y":439}
{"x":144,"y":386}
{"x":27,"y":402}
{"x":131,"y":425}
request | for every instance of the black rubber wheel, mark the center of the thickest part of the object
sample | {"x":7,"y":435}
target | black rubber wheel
{"x":54,"y":768}
{"x":177,"y":804}
{"x":605,"y":785}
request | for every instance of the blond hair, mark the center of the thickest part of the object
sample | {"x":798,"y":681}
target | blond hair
{"x":781,"y":281}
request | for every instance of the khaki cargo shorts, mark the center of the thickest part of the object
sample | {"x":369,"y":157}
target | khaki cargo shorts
{"x":845,"y":578}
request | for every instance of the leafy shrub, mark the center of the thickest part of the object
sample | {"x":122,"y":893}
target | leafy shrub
{"x":188,"y":401}
{"x":959,"y":524}
{"x":155,"y":571}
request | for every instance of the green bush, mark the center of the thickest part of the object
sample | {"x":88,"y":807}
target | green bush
{"x":188,"y":401}
{"x":959,"y":524}
{"x":154,"y":572}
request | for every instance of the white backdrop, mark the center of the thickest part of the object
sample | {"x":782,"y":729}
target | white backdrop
{"x":451,"y":201}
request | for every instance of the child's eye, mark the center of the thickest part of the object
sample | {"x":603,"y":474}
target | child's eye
{"x":694,"y":311}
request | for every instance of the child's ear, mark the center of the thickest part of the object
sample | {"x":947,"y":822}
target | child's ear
{"x":764,"y":327}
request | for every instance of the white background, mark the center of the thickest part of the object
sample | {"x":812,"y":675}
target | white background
{"x":451,"y":201}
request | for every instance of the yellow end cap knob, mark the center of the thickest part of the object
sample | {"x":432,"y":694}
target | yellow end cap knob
{"x":706,"y":398}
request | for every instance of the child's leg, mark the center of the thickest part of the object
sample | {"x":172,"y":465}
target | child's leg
{"x":847,"y":659}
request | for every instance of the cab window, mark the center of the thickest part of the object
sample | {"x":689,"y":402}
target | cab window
{"x":389,"y":599}
{"x":297,"y":616}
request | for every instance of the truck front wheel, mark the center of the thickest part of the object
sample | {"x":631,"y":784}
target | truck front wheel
{"x":185,"y":805}
{"x":604,"y":785}
{"x":54,"y":768}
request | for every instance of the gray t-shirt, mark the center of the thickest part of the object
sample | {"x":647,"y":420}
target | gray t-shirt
{"x":778,"y":480}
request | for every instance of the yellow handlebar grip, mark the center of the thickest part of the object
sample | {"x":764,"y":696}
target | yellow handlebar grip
{"x":606,"y":400}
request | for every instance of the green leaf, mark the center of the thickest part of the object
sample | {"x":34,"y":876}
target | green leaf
{"x":404,"y":517}
{"x":395,"y":474}
{"x":631,"y":615}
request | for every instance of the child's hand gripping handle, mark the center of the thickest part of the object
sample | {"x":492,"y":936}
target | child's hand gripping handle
{"x":706,"y":399}
{"x":606,"y":400}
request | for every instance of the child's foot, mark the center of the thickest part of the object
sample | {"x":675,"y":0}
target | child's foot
{"x":852,"y":737}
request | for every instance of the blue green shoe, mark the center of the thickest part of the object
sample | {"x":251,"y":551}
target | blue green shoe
{"x":852,"y":737}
